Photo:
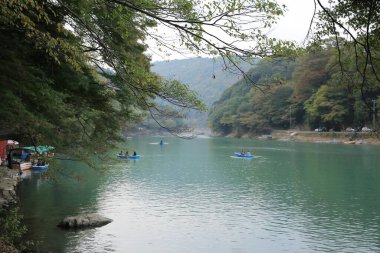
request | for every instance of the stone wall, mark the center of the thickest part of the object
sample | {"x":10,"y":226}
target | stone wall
{"x":9,"y":179}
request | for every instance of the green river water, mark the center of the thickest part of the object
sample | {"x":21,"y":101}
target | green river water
{"x":192,"y":196}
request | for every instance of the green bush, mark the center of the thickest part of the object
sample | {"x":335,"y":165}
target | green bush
{"x":12,"y":231}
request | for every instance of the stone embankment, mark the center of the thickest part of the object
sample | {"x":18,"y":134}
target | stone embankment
{"x":9,"y":179}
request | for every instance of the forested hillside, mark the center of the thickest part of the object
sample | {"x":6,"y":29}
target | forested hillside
{"x":308,"y":93}
{"x":208,"y":77}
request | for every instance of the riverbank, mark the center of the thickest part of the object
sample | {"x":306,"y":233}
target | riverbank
{"x":9,"y":178}
{"x":327,"y":137}
{"x":369,"y":138}
{"x":11,"y":228}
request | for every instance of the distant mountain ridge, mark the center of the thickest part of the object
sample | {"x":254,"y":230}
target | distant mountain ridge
{"x":206,"y":76}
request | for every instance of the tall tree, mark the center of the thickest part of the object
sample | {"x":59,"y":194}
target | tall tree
{"x":357,"y":21}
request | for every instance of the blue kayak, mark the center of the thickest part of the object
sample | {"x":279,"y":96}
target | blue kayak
{"x":130,"y":156}
{"x":238,"y":154}
{"x":134,"y":156}
{"x":40,"y":167}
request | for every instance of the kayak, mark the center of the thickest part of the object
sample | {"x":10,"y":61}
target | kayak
{"x":134,"y":156}
{"x":40,"y":167}
{"x":244,"y":155}
{"x":130,"y":156}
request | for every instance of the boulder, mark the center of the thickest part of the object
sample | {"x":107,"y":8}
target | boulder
{"x":84,"y":221}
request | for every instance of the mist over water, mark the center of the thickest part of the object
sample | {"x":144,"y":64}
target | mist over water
{"x":191,"y":196}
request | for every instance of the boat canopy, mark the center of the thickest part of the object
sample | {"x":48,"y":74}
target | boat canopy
{"x":39,"y":149}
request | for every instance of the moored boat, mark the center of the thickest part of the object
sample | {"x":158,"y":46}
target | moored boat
{"x":22,"y":165}
{"x":40,"y":167}
{"x":264,"y":137}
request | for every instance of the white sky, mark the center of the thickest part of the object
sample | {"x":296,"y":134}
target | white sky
{"x":293,"y":25}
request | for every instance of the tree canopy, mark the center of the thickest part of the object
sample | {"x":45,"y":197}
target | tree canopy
{"x":74,"y":72}
{"x":358,"y":23}
{"x":336,"y":82}
{"x":310,"y":93}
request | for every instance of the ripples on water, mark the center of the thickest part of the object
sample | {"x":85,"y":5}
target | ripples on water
{"x":190,"y":196}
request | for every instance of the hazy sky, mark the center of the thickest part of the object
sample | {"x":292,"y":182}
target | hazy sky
{"x":293,"y":26}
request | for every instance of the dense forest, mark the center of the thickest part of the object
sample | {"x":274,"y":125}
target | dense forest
{"x":310,"y":92}
{"x":208,"y":77}
{"x":56,"y":87}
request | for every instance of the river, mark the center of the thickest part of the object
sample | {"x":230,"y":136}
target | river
{"x":192,"y":196}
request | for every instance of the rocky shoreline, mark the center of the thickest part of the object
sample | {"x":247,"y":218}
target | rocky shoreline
{"x":327,"y":137}
{"x":370,"y":138}
{"x":9,"y":178}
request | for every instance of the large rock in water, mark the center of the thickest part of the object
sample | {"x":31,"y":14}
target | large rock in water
{"x":84,"y":221}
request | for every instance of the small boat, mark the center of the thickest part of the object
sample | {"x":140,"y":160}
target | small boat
{"x":349,"y":142}
{"x":129,"y":156}
{"x":40,"y":167}
{"x":247,"y":155}
{"x":134,"y":156}
{"x":264,"y":137}
{"x":22,"y":166}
